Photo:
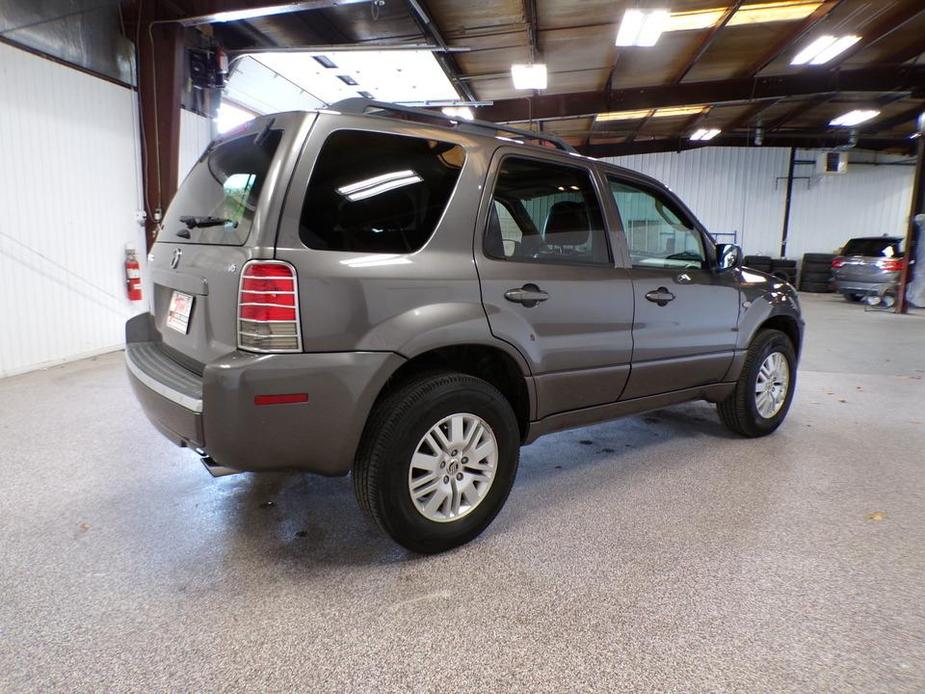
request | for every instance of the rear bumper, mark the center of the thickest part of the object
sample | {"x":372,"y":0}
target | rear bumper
{"x":320,"y":435}
{"x":862,"y":287}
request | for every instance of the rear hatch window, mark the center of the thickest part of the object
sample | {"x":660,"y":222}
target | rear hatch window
{"x":874,"y":248}
{"x":217,"y":201}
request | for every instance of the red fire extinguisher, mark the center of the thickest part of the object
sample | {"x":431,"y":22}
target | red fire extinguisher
{"x":132,"y":275}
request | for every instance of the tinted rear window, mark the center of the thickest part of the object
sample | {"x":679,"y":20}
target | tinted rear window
{"x":874,"y":248}
{"x":225,"y":183}
{"x":378,"y":193}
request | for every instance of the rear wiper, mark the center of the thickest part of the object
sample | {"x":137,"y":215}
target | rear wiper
{"x":191,"y":222}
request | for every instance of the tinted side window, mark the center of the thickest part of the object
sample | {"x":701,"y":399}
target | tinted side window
{"x":378,"y":193}
{"x":657,"y":236}
{"x":543,"y":212}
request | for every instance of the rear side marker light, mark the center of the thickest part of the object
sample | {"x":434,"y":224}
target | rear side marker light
{"x":281,"y":399}
{"x":268,"y":308}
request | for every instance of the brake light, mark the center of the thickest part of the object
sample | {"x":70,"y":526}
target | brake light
{"x":268,"y":307}
{"x":837,"y":262}
{"x":890,"y":264}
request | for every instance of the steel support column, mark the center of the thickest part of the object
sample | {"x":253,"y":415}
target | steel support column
{"x":160,"y":79}
{"x":788,"y":204}
{"x":913,"y":235}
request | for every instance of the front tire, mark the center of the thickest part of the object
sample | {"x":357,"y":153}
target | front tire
{"x":764,"y":390}
{"x":437,"y":461}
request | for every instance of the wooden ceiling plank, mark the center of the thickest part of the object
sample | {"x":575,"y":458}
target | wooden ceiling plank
{"x":788,"y":40}
{"x":691,"y":60}
{"x":901,"y":118}
{"x":800,"y":109}
{"x":882,"y":29}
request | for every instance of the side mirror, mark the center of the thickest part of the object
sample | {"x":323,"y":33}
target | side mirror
{"x":728,"y":256}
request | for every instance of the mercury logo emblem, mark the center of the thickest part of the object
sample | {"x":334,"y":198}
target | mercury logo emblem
{"x":175,"y":260}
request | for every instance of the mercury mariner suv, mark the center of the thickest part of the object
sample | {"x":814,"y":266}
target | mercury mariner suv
{"x":390,"y":293}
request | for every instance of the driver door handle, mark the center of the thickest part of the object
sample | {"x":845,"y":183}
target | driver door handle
{"x":529,"y":295}
{"x":660,"y":296}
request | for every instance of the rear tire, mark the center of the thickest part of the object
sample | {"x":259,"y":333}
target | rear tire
{"x":740,"y":411}
{"x":853,"y":298}
{"x":434,"y":504}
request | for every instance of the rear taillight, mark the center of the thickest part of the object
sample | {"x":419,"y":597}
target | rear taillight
{"x":268,"y":308}
{"x":837,"y":262}
{"x":890,"y":264}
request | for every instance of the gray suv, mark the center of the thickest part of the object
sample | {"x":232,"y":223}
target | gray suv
{"x":868,"y":268}
{"x":389,"y":293}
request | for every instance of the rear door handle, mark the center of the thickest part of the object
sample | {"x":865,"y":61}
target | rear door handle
{"x":529,"y":295}
{"x":660,"y":296}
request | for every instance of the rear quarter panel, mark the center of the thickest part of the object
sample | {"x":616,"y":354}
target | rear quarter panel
{"x":404,"y":303}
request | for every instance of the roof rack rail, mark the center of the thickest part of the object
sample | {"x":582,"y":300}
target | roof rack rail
{"x":359,"y":106}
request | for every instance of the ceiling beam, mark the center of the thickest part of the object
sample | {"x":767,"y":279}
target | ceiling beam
{"x":873,"y":79}
{"x":788,"y":39}
{"x":530,"y":16}
{"x":801,"y":108}
{"x":422,"y":18}
{"x":707,"y":41}
{"x":802,"y":140}
{"x":749,"y":115}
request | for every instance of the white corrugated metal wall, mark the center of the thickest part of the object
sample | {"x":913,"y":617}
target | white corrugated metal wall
{"x":866,"y":201}
{"x":730,"y":189}
{"x":744,"y":190}
{"x":69,"y":191}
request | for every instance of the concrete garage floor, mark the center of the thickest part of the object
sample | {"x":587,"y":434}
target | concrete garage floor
{"x":652,"y":553}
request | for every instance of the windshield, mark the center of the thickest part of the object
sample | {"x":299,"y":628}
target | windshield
{"x":217,"y":201}
{"x":886,"y":247}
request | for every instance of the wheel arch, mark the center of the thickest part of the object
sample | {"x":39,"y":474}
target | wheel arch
{"x":787,"y":325}
{"x":490,"y":362}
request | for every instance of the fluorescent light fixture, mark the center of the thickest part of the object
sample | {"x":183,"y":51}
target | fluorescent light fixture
{"x":852,"y":118}
{"x":642,"y":27}
{"x":666,"y":112}
{"x":463,"y":112}
{"x":383,"y":183}
{"x":529,"y":76}
{"x":840,"y":46}
{"x":376,"y":260}
{"x":704,"y":134}
{"x":823,"y":49}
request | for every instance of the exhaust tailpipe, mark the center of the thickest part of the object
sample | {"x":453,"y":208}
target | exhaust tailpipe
{"x":217,"y":470}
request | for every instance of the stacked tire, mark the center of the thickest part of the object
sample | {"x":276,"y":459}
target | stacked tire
{"x":816,"y":273}
{"x":785,"y":269}
{"x":761,"y":263}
